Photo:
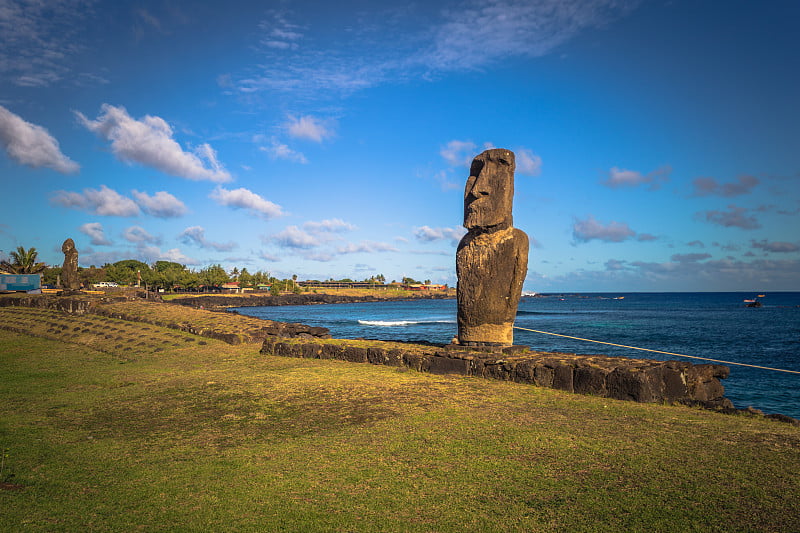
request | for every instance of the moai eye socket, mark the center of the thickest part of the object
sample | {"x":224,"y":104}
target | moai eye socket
{"x":476,"y":167}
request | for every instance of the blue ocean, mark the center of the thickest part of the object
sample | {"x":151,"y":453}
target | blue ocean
{"x":713,"y":325}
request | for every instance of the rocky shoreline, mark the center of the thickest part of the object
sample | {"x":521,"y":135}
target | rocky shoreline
{"x":212,"y":302}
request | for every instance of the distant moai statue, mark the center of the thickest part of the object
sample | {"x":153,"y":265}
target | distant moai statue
{"x":492,"y":258}
{"x":69,"y":271}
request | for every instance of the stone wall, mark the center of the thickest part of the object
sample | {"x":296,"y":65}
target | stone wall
{"x":68,"y":304}
{"x":639,"y":380}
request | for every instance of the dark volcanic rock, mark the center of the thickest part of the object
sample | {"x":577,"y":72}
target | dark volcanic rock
{"x":639,"y":380}
{"x":224,"y":302}
{"x":293,"y":329}
{"x":590,"y":380}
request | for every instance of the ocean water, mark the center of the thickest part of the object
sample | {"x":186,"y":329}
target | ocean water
{"x":712,"y":325}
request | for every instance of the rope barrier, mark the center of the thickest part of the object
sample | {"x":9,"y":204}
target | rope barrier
{"x":659,"y":351}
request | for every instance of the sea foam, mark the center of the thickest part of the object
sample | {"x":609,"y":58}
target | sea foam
{"x":395,"y":323}
{"x":387,"y":323}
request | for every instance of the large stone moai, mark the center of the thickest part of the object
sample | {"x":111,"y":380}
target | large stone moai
{"x":492,"y":258}
{"x":69,"y":271}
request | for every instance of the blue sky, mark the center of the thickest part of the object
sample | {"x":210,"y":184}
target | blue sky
{"x":658,"y":143}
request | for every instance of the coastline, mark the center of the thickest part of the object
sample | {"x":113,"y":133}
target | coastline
{"x":224,"y":302}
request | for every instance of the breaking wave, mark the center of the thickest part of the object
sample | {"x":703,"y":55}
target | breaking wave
{"x":396,"y":323}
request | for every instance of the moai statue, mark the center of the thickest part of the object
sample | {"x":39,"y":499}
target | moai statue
{"x":69,"y":271}
{"x":492,"y":258}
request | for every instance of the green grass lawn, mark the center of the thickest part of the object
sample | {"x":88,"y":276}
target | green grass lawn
{"x":212,"y":437}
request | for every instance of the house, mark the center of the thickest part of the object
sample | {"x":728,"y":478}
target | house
{"x":231,"y":287}
{"x":314,"y":284}
{"x":424,"y":287}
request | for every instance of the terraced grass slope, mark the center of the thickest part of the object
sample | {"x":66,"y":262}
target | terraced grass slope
{"x":122,"y":338}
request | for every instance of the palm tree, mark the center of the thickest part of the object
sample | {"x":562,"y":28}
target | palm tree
{"x":23,"y":262}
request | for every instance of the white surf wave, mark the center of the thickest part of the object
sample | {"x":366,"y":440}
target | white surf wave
{"x":387,"y":323}
{"x":395,"y":323}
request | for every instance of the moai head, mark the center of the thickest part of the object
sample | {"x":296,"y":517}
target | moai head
{"x":68,"y":246}
{"x":489,"y":194}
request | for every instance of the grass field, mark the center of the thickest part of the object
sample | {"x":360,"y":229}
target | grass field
{"x":107,"y":434}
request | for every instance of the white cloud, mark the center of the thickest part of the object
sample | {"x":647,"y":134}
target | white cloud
{"x":308,"y":127}
{"x":151,"y":254}
{"x":294,"y":237}
{"x":205,"y":152}
{"x":428,"y":234}
{"x":621,"y":177}
{"x":279,"y":33}
{"x":313,"y":234}
{"x":335,"y":225}
{"x":162,"y":204}
{"x":711,"y":187}
{"x":459,"y":153}
{"x":149,"y":142}
{"x":708,"y":275}
{"x":90,"y":257}
{"x":197,"y":235}
{"x":94,"y":230}
{"x":527,"y":162}
{"x":322,"y":257}
{"x":138,"y":234}
{"x":468,"y":35}
{"x":269,"y":257}
{"x":245,"y":199}
{"x":444,"y":178}
{"x":149,"y":19}
{"x":366,"y":247}
{"x":775,"y":246}
{"x":32,"y":145}
{"x":39,"y":40}
{"x":312,"y":74}
{"x":586,"y":230}
{"x":430,"y":252}
{"x":278,"y":150}
{"x":646,"y":237}
{"x":690,"y":258}
{"x":734,"y":217}
{"x":475,"y":34}
{"x":103,"y":201}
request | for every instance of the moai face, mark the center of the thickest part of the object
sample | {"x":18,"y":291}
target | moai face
{"x":68,"y":246}
{"x":489,"y":194}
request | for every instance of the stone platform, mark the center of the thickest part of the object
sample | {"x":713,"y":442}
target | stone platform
{"x":639,"y":380}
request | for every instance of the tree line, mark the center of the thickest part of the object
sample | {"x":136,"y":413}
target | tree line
{"x":165,"y":275}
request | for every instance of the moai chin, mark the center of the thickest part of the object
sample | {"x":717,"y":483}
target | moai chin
{"x":492,"y":258}
{"x":69,"y":271}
